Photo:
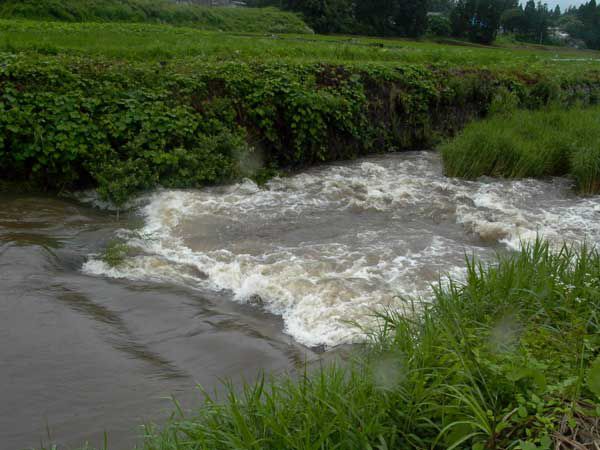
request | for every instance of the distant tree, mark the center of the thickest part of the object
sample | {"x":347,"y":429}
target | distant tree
{"x":441,"y":6}
{"x":410,"y":17}
{"x":393,"y":17}
{"x":583,"y":23}
{"x":589,"y":15}
{"x":460,"y":17}
{"x":478,"y":20}
{"x":572,"y":25}
{"x":486,"y":21}
{"x":513,"y":20}
{"x":439,"y":26}
{"x":556,"y":13}
{"x":327,"y":16}
{"x":376,"y":16}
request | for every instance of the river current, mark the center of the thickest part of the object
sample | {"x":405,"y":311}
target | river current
{"x":225,"y":281}
{"x":326,"y":248}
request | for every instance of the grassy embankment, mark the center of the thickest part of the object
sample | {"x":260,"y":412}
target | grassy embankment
{"x":126,"y":107}
{"x":259,"y":20}
{"x":520,"y":144}
{"x":510,"y":360}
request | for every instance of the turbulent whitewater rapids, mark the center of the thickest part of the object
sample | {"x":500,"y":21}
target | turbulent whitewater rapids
{"x":326,"y":248}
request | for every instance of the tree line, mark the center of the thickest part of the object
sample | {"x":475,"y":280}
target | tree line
{"x":476,"y":20}
{"x":370,"y":17}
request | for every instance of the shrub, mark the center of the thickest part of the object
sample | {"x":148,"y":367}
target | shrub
{"x":439,"y":26}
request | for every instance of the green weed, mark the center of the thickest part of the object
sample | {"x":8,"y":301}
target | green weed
{"x":115,"y":253}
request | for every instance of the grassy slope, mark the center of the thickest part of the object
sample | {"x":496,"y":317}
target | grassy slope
{"x":156,"y":11}
{"x":509,"y":360}
{"x":519,"y":144}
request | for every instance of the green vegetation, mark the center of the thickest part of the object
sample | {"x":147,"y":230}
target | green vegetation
{"x":96,"y":105}
{"x":159,"y":43}
{"x":70,"y":122}
{"x":522,"y":144}
{"x":261,"y":20}
{"x":370,"y":17}
{"x":115,"y":253}
{"x":510,"y":359}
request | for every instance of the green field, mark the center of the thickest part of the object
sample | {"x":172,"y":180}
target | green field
{"x":150,"y":41}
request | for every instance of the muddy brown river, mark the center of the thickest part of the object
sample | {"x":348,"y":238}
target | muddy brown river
{"x":80,"y":355}
{"x":226,"y":282}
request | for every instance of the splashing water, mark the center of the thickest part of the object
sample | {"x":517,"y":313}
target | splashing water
{"x":326,"y":248}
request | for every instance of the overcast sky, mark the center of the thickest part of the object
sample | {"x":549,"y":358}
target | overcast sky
{"x":564,"y":4}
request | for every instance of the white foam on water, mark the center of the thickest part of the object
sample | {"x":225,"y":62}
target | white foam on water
{"x":326,"y":248}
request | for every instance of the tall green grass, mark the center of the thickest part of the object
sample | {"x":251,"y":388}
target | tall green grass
{"x":259,"y":20}
{"x":523,"y":143}
{"x":507,"y":360}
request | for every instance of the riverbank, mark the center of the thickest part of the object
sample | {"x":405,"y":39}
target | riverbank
{"x":72,"y":122}
{"x":509,"y":359}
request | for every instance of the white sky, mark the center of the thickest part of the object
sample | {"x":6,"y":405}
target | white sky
{"x":564,"y":4}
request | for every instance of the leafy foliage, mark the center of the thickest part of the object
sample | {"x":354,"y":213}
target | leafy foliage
{"x":439,"y":26}
{"x":70,"y":122}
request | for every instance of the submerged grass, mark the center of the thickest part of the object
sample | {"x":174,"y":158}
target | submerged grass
{"x":525,"y":143}
{"x":509,"y":359}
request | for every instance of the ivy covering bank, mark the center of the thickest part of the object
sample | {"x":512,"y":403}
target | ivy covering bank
{"x":68,"y":122}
